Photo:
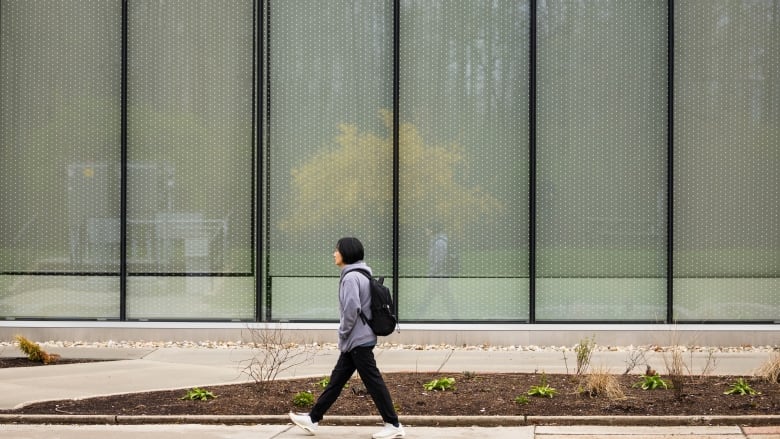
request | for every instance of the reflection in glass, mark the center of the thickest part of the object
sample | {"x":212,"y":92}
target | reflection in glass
{"x":59,"y":147}
{"x":329,"y":147}
{"x":190,"y":149}
{"x":727,"y":161}
{"x":464,"y":160}
{"x":601,"y":160}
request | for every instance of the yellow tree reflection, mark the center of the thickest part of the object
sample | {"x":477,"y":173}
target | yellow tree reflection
{"x":348,"y":184}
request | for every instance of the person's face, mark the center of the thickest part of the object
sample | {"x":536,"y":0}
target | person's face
{"x":337,"y":259}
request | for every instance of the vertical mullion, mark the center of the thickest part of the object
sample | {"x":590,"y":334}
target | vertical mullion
{"x":396,"y":152}
{"x":267,"y":160}
{"x":670,"y":163}
{"x":532,"y":165}
{"x":257,"y":152}
{"x":123,"y":174}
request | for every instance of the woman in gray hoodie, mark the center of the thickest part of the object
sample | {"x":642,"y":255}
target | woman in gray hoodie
{"x":356,"y":344}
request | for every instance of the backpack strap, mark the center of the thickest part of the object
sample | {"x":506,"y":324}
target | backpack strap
{"x":365,"y":273}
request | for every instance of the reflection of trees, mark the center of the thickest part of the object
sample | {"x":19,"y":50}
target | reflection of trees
{"x":350,"y":186}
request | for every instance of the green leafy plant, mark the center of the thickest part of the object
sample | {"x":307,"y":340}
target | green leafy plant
{"x":198,"y":394}
{"x":651,"y":382}
{"x":740,"y":387}
{"x":440,"y":384}
{"x":303,"y":399}
{"x":522,"y":399}
{"x":543,"y":389}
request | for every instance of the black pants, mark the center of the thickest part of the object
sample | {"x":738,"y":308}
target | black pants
{"x":362,"y":360}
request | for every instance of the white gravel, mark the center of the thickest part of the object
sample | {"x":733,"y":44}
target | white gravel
{"x":238,"y":344}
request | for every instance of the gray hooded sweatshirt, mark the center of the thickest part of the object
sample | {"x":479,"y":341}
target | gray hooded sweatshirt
{"x":354,"y":295}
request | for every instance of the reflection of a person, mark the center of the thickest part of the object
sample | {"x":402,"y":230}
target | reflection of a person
{"x":439,"y":271}
{"x":437,"y":254}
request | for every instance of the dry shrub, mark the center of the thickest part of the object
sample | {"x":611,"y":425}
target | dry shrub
{"x":675,"y":370}
{"x":584,"y":350}
{"x":678,"y":370}
{"x":602,"y":383}
{"x":770,"y":370}
{"x":274,"y":352}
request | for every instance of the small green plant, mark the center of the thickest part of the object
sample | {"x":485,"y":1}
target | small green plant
{"x":326,"y":380}
{"x":440,"y":384}
{"x":198,"y":394}
{"x":740,"y":387}
{"x":303,"y":399}
{"x":522,"y":399}
{"x":651,"y":382}
{"x":543,"y":389}
{"x":34,"y":352}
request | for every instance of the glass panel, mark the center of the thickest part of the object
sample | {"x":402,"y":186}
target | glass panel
{"x":59,"y":157}
{"x":601,"y":149}
{"x":727,"y":160}
{"x":190,"y":159}
{"x":330,"y":145}
{"x":464,"y":160}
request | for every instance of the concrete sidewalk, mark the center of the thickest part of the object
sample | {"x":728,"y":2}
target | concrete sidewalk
{"x":169,"y":431}
{"x":154,"y":368}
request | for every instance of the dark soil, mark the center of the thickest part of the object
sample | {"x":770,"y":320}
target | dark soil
{"x":474,"y":395}
{"x":24,"y":362}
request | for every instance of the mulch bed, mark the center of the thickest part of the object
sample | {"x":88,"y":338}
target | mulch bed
{"x":473,"y":395}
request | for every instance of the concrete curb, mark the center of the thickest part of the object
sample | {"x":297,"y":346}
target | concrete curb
{"x":420,"y":421}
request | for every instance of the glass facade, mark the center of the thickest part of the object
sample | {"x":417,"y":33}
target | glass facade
{"x":463,"y":171}
{"x":601,"y":160}
{"x":727,"y":160}
{"x":190,"y":159}
{"x":329,"y":156}
{"x":60,"y":131}
{"x":576,"y":161}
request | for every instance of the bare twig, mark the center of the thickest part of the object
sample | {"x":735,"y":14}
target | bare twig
{"x":635,"y":359}
{"x":274,"y":353}
{"x":446,"y":359}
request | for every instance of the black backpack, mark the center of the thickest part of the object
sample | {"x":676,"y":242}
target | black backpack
{"x":382,"y":322}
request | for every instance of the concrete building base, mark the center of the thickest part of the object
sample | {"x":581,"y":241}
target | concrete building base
{"x":410,"y":334}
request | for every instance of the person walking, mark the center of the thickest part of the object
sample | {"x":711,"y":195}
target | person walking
{"x":356,"y":345}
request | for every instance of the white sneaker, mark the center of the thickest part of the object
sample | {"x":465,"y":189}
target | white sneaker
{"x":390,"y":431}
{"x":304,"y":421}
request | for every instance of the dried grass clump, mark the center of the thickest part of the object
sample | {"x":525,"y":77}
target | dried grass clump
{"x":34,"y":351}
{"x":602,"y":383}
{"x":770,"y":370}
